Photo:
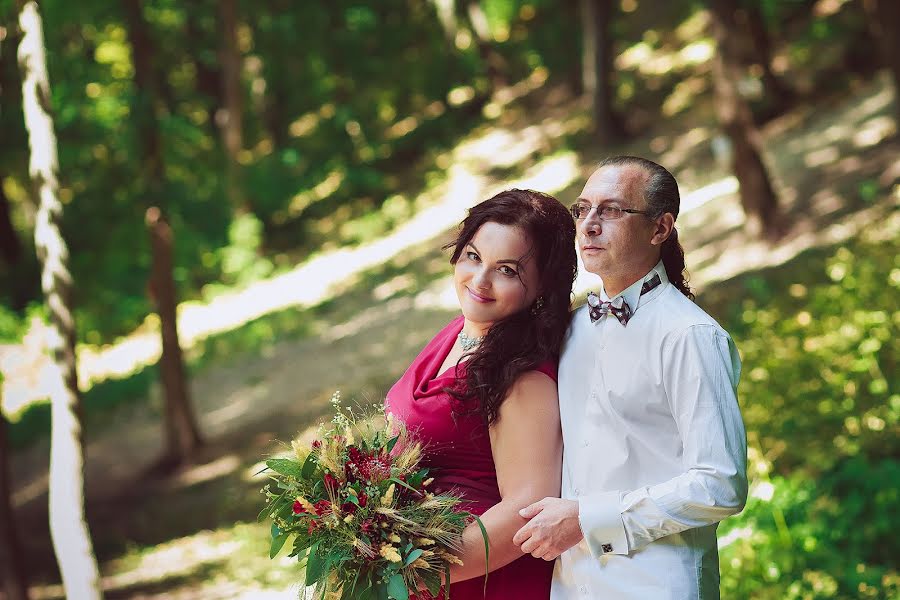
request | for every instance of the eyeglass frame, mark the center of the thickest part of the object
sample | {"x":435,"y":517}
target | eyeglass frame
{"x":600,"y":208}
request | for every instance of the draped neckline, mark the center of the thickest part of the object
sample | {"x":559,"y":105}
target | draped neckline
{"x":433,"y":379}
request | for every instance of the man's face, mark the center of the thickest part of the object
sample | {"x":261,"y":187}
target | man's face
{"x":618,"y":250}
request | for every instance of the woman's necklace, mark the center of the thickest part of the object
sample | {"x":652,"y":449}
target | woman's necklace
{"x":469,"y":343}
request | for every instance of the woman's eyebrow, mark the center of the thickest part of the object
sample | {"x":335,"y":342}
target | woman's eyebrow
{"x":510,"y":261}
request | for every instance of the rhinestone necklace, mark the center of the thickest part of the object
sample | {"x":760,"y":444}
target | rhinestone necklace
{"x":468,"y":343}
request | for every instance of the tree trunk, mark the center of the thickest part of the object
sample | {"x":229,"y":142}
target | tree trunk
{"x":10,"y":248}
{"x":778,"y":95}
{"x":208,"y":79}
{"x":757,"y":194}
{"x":182,"y":433}
{"x":750,"y":45}
{"x":144,"y":108}
{"x":230,"y":117}
{"x":597,"y":67}
{"x":276,"y":110}
{"x":884,"y":22}
{"x":68,"y":527}
{"x":494,"y":63}
{"x":279,"y":71}
{"x":182,"y":437}
{"x":446,"y":14}
{"x":12,"y":558}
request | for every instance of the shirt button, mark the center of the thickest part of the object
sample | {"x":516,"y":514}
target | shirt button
{"x":583,"y":589}
{"x":585,"y":443}
{"x":577,"y":492}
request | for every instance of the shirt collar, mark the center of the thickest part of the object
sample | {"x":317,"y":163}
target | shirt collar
{"x":632,"y":294}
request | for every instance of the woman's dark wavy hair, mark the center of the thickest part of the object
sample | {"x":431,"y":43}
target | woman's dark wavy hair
{"x":661,"y":195}
{"x":524,"y":340}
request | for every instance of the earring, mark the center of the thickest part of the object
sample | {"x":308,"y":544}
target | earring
{"x":538,"y":305}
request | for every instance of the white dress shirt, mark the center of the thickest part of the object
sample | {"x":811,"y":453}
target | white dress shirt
{"x":655,"y":448}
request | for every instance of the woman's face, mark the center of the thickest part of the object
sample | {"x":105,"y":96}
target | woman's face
{"x":495,"y":276}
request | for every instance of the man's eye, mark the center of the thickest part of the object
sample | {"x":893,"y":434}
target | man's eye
{"x":610,"y":211}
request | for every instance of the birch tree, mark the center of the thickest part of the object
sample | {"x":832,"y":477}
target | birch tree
{"x":68,"y":526}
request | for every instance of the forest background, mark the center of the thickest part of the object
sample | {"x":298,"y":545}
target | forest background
{"x":286,"y":173}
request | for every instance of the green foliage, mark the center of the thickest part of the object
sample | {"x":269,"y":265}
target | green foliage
{"x":822,"y":357}
{"x":820,"y":401}
{"x":241,"y":262}
{"x":826,"y":538}
{"x":10,"y":325}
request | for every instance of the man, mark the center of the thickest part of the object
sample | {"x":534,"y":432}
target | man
{"x":655,"y":449}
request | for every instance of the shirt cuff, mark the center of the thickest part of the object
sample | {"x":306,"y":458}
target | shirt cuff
{"x":600,"y":517}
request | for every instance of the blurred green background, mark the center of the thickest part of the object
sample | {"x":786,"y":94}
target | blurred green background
{"x":307,"y":252}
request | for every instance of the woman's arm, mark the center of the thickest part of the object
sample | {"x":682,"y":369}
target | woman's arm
{"x":526,"y":442}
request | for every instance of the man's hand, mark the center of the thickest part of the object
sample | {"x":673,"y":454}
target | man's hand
{"x":553,"y":528}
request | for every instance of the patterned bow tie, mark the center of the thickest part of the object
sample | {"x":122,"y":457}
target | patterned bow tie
{"x":598,"y":309}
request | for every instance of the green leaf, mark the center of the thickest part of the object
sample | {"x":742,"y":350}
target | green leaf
{"x":270,"y":508}
{"x":392,"y":442}
{"x":285,"y":466}
{"x":432,"y":582}
{"x":397,"y":588}
{"x":285,"y":511}
{"x":413,"y":556}
{"x":403,"y":483}
{"x":366,"y":592}
{"x":487,"y":551}
{"x":277,"y":544}
{"x":350,"y":587}
{"x":309,"y":466}
{"x":301,"y":543}
{"x":381,"y":592}
{"x":315,"y":565}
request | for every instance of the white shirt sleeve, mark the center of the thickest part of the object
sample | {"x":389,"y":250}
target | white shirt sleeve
{"x":701,"y":368}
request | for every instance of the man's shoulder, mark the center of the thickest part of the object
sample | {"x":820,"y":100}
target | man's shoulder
{"x":680,"y":314}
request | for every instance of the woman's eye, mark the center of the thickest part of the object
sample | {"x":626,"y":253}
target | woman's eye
{"x":508,"y":271}
{"x":472,"y":256}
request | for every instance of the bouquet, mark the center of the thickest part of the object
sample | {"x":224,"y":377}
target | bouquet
{"x":357,"y":505}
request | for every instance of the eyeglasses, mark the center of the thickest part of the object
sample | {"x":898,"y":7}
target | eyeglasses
{"x":606,"y":212}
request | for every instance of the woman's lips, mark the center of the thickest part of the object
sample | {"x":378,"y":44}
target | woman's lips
{"x":479,"y":298}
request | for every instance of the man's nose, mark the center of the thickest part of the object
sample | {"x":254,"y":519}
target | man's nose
{"x":591,"y":224}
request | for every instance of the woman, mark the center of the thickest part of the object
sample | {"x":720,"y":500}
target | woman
{"x":482,"y":394}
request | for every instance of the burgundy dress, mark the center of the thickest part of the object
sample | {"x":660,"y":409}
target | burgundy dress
{"x":458,"y":454}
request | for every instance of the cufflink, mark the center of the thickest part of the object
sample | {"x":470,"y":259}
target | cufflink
{"x":607,"y":548}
